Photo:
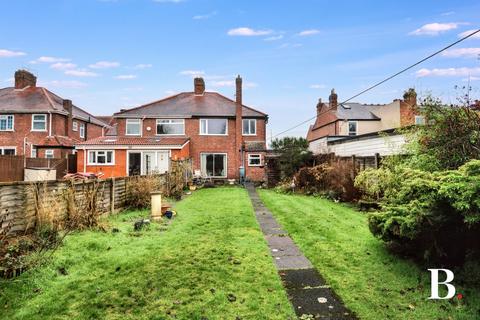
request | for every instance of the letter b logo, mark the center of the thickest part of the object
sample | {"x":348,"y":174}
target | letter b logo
{"x":435,"y":284}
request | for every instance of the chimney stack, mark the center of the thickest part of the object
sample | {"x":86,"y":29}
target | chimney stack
{"x":199,"y":86}
{"x":238,"y":93}
{"x":67,"y":105}
{"x":332,"y":99}
{"x":410,"y":97}
{"x":23,"y":79}
{"x":319,"y":106}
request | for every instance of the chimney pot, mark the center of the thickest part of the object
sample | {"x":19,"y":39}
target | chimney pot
{"x":238,"y":93}
{"x":23,"y":79}
{"x":199,"y":86}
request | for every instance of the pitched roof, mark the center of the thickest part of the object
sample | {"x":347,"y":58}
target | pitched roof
{"x":144,"y":141}
{"x":356,"y":111}
{"x":39,"y":99}
{"x":57,"y":141}
{"x":187,"y":104}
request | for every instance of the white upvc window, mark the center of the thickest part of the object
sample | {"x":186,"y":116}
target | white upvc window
{"x":33,"y":152}
{"x":214,"y":165}
{"x":254,"y":160}
{"x":82,"y":130}
{"x":249,"y":127}
{"x":133,"y":127}
{"x":75,"y":126}
{"x":101,"y":157}
{"x":214,"y":127}
{"x":6,"y":122}
{"x":170,"y":126}
{"x":419,"y":120}
{"x":352,"y":128}
{"x":8,"y":151}
{"x":49,"y":154}
{"x":39,"y":122}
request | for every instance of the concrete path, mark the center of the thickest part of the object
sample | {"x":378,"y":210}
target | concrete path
{"x":306,"y":289}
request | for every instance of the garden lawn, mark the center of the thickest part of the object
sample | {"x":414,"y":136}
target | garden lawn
{"x":210,"y":262}
{"x":372,"y":282}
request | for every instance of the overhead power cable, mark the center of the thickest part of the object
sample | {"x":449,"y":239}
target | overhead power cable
{"x":386,"y":79}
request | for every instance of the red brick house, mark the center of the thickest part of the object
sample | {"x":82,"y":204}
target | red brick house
{"x":38,"y":123}
{"x":219,"y":134}
{"x":347,"y":121}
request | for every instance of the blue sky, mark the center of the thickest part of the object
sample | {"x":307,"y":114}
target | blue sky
{"x":106,"y":55}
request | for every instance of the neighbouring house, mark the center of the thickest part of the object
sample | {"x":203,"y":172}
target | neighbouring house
{"x":220,"y":135}
{"x":362,"y":129}
{"x":38,"y":123}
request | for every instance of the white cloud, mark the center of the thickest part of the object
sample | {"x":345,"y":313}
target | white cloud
{"x":204,"y":16}
{"x":104,"y":65}
{"x":462,"y":52}
{"x":466,"y":33}
{"x":63,"y":66}
{"x":248,"y":32}
{"x":192,"y":73}
{"x":433,"y":29}
{"x":309,"y":32}
{"x":168,"y":1}
{"x":68,"y":84}
{"x":170,"y":92}
{"x":126,"y":77}
{"x":4,"y":53}
{"x":448,"y":13}
{"x":143,"y":66}
{"x":81,"y":73}
{"x":290,"y":45}
{"x":317,"y":86}
{"x":447,"y":72}
{"x":45,"y":59}
{"x":274,"y":38}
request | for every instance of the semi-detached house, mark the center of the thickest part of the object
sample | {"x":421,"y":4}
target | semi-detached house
{"x":219,"y":134}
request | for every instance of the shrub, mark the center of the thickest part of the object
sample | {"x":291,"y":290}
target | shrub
{"x":82,"y":207}
{"x":335,"y":180}
{"x":139,"y":189}
{"x":432,"y":216}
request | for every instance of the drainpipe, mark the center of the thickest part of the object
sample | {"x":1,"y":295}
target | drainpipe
{"x":84,"y":160}
{"x":50,"y":124}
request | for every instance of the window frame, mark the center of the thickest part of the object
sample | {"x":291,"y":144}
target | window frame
{"x":225,"y":161}
{"x":3,"y":148}
{"x":33,"y":152}
{"x":96,"y":163}
{"x":349,"y":133}
{"x":47,"y":152}
{"x":140,"y":122}
{"x":37,"y":121}
{"x":249,"y":127}
{"x":169,"y":134}
{"x":422,"y":120}
{"x":255,"y":155}
{"x":75,"y":126}
{"x":6,"y":119}
{"x":81,"y":130}
{"x":206,"y":127}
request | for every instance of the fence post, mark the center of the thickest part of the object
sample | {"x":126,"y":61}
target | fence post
{"x":112,"y":195}
{"x":354,"y":165}
{"x":377,"y":160}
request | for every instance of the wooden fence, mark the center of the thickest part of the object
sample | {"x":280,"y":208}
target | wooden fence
{"x":12,"y":167}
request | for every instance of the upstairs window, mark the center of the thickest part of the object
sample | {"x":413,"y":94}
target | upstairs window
{"x":133,"y":127}
{"x":100,"y":157}
{"x":213,"y":127}
{"x":170,"y":126}
{"x":82,"y":130}
{"x":75,"y":126}
{"x":352,"y":128}
{"x":249,"y":127}
{"x":6,"y":122}
{"x":39,"y":122}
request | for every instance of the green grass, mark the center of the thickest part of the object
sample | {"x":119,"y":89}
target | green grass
{"x":372,"y":282}
{"x":185,"y":270}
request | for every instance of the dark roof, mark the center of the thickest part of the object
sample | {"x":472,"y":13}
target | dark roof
{"x":187,"y":104}
{"x":255,"y":146}
{"x":39,"y":99}
{"x":57,"y":141}
{"x":124,"y":140}
{"x":356,"y":111}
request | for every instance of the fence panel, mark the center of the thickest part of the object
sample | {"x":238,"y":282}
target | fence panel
{"x":11,"y":168}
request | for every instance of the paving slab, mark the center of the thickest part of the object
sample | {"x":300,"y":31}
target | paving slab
{"x":308,"y":292}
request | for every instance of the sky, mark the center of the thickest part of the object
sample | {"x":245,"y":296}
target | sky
{"x":111,"y":54}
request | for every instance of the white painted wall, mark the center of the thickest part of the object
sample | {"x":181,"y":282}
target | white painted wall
{"x":383,"y":145}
